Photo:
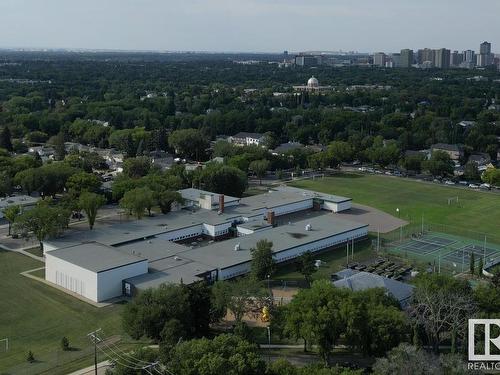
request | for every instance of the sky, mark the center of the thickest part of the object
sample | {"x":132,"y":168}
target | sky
{"x":250,"y":25}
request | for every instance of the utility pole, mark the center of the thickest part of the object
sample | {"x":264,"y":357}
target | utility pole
{"x":352,"y":250}
{"x":347,"y":253}
{"x":93,"y":336}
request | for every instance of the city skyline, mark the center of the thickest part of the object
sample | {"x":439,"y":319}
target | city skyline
{"x":247,"y":26}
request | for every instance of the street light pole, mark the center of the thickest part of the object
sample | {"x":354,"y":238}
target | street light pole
{"x":93,"y":336}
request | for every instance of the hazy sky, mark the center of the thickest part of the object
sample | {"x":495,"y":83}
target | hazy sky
{"x":250,"y":25}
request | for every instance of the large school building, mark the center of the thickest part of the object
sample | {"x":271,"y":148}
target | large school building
{"x":208,"y":238}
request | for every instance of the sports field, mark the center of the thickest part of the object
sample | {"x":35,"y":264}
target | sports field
{"x":476,"y":210}
{"x":35,"y":317}
{"x":444,"y":252}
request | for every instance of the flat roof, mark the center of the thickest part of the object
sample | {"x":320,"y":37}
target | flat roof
{"x":185,"y":273}
{"x":314,"y":194}
{"x":21,"y":200}
{"x":194,"y":194}
{"x":223,"y":254}
{"x":95,"y":257}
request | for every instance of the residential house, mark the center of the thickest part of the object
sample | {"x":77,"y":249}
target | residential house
{"x":247,"y":139}
{"x":456,"y":152}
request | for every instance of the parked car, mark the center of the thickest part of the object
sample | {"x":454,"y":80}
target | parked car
{"x":462,"y":182}
{"x":448,"y":182}
{"x":474,"y":186}
{"x":485,"y":186}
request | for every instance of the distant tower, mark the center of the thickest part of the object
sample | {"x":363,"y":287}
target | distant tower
{"x":379,"y":59}
{"x":485,"y":58}
{"x":406,"y":60}
{"x":443,"y":58}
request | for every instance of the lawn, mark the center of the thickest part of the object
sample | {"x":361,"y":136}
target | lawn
{"x":35,"y":317}
{"x":476,"y":210}
{"x":334,"y":260}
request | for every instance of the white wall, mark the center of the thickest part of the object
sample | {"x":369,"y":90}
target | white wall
{"x":230,"y":272}
{"x":293,"y":207}
{"x":320,"y":245}
{"x":109,"y":283}
{"x":183,"y":233}
{"x":71,"y":277}
{"x":216,"y":230}
{"x":337,"y":207}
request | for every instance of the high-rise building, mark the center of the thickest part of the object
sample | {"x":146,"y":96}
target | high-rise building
{"x":396,"y":60}
{"x":485,"y":57}
{"x":485,"y":48}
{"x":442,"y":58}
{"x":306,"y":60}
{"x":406,"y":58}
{"x":379,"y":59}
{"x":425,"y":55}
{"x":469,"y":56}
{"x":456,"y":58}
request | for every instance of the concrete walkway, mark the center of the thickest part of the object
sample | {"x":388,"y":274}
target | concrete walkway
{"x":101,"y":369}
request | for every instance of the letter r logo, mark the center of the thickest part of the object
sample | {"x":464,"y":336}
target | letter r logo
{"x":488,"y":340}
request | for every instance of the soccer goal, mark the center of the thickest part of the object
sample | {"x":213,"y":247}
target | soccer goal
{"x":4,"y":345}
{"x":452,"y":200}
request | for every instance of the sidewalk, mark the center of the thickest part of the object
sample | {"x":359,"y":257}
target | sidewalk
{"x":101,"y":369}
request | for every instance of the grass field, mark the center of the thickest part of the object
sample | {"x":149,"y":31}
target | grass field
{"x":476,"y":210}
{"x":35,"y":317}
{"x":334,"y":259}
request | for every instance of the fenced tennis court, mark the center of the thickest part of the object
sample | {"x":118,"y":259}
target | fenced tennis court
{"x":443,"y":252}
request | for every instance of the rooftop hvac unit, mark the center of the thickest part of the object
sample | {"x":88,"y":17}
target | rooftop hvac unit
{"x":308,"y":227}
{"x":237,"y":247}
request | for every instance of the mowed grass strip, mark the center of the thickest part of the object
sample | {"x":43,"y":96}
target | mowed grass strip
{"x":35,"y":317}
{"x":476,"y":210}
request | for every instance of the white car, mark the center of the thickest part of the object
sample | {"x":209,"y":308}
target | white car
{"x":448,"y":182}
{"x":472,"y":186}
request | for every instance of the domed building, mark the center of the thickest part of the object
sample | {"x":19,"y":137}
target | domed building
{"x":313,"y":83}
{"x":313,"y":86}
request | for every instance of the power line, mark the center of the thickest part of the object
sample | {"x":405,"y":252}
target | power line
{"x":130,"y":361}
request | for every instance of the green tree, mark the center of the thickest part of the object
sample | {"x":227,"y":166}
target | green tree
{"x":58,"y":143}
{"x":472,"y":263}
{"x":306,"y":266}
{"x":166,"y":198}
{"x":223,"y":179}
{"x":471,"y":171}
{"x":491,"y":176}
{"x":90,"y":204}
{"x":43,"y":221}
{"x":225,"y":354}
{"x":189,"y":143}
{"x":137,"y":167}
{"x":6,"y":139}
{"x":65,"y":344}
{"x":137,"y":200}
{"x":11,"y":213}
{"x":439,"y":164}
{"x":83,"y":181}
{"x":30,"y":180}
{"x":315,"y":315}
{"x":263,"y":264}
{"x":259,"y":168}
{"x":147,"y":314}
{"x":487,"y":298}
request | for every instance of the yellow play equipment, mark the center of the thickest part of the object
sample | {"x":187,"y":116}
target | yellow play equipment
{"x":265,"y":317}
